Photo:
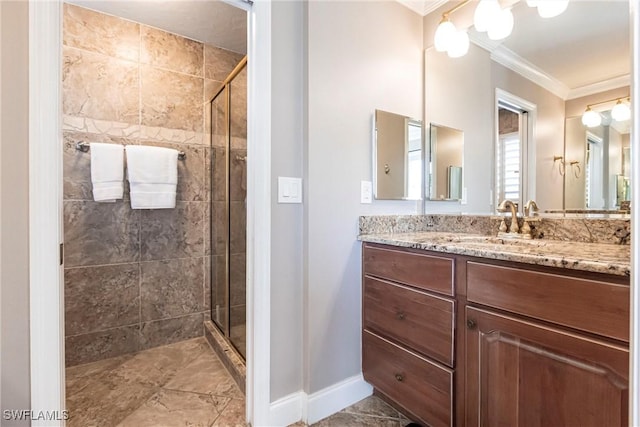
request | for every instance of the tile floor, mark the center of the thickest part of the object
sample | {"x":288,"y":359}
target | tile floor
{"x":181,"y":384}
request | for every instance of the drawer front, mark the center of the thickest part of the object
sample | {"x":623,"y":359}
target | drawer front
{"x":422,"y":387}
{"x":589,"y":305}
{"x":418,"y":320}
{"x":428,"y":272}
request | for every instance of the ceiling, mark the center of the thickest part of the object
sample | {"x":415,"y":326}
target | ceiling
{"x":213,"y":22}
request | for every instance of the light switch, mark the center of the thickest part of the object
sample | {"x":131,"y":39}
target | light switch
{"x":289,"y":190}
{"x":366,"y":192}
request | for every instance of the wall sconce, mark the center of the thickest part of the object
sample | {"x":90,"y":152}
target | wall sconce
{"x":489,"y":16}
{"x":620,"y":112}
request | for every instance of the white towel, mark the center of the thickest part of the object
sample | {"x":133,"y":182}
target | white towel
{"x":107,"y":171}
{"x":153,"y":176}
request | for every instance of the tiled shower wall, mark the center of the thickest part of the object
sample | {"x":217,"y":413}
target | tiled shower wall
{"x":135,"y":279}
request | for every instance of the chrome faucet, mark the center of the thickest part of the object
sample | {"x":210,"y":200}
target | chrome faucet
{"x":530,"y":207}
{"x":504,"y":206}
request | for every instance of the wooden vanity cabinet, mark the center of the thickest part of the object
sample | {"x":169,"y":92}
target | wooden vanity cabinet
{"x":545,"y":349}
{"x":455,"y":340}
{"x":408,"y":320}
{"x":520,"y":373}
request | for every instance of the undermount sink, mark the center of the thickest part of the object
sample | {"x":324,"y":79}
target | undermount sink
{"x":494,"y":240}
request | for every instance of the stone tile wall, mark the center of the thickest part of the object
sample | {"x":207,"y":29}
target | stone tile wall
{"x":135,"y":279}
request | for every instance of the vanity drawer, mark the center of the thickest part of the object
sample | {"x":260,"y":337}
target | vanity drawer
{"x":427,"y":272}
{"x":589,"y":305}
{"x":422,"y":387}
{"x":415,"y":319}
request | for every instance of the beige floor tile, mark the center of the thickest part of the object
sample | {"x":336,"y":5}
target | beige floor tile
{"x":205,"y":374}
{"x":174,"y":408}
{"x":343,"y":419}
{"x":374,"y":406}
{"x":233,"y":415}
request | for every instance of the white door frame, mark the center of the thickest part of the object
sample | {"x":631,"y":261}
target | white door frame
{"x":45,"y":210}
{"x":634,"y":335}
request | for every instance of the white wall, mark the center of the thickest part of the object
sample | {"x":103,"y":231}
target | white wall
{"x":14,"y":192}
{"x":286,"y":219}
{"x":359,"y":59}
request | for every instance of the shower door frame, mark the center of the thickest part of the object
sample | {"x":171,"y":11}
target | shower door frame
{"x":46,"y":308}
{"x":225,"y":90}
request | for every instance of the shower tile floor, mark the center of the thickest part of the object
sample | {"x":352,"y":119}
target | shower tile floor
{"x":181,"y":384}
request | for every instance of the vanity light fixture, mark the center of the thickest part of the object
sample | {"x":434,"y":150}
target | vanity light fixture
{"x":620,"y":112}
{"x":489,"y":16}
{"x":591,"y":118}
{"x":448,"y":38}
{"x":549,"y":8}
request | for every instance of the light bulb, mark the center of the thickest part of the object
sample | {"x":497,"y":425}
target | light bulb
{"x":621,"y":112}
{"x":551,"y":8}
{"x":503,"y":26}
{"x":591,"y":118}
{"x":459,"y":45}
{"x":486,"y":14}
{"x":444,"y":34}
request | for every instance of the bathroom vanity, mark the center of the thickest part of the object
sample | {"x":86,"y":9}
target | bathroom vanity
{"x":463,"y":329}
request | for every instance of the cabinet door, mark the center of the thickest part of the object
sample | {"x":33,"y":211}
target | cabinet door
{"x":521,"y":373}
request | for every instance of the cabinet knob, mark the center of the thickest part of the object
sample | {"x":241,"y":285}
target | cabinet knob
{"x":399,"y":377}
{"x":471,"y":324}
{"x":400,"y":315}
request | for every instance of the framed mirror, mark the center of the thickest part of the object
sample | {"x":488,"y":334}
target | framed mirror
{"x":398,"y":157}
{"x":445,"y":171}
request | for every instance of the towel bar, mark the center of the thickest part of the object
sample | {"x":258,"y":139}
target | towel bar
{"x":84,"y":147}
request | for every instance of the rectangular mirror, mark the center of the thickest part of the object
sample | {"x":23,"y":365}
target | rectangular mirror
{"x":596,"y":164}
{"x":445,"y":174}
{"x":397,"y":157}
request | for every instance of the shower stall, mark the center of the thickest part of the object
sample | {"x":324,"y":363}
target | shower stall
{"x":228,"y":217}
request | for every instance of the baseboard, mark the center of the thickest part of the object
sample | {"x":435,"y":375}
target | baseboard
{"x":321,"y":404}
{"x":335,"y":398}
{"x":288,"y":410}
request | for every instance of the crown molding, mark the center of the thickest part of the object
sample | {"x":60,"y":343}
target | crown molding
{"x":519,"y":65}
{"x":603,"y":86}
{"x":422,"y":7}
{"x":431,"y":5}
{"x":415,"y":5}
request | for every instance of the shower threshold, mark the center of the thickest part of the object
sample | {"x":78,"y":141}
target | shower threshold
{"x":229,"y":356}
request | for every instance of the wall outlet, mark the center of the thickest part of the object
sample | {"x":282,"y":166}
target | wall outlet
{"x":366,"y":192}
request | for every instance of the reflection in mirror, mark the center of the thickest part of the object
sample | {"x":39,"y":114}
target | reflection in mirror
{"x":596,"y":165}
{"x":397,"y":155}
{"x":446,"y":150}
{"x":560,"y":65}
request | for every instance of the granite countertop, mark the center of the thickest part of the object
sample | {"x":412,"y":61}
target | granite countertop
{"x":595,"y":257}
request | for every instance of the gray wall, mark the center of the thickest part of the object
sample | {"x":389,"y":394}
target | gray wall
{"x":286,"y":219}
{"x":359,"y":59}
{"x":14,"y":208}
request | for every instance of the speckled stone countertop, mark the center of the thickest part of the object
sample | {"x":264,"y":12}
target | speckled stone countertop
{"x":595,"y":256}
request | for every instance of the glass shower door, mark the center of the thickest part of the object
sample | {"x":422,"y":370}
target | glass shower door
{"x":238,"y":210}
{"x":229,"y":208}
{"x":219,"y":212}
